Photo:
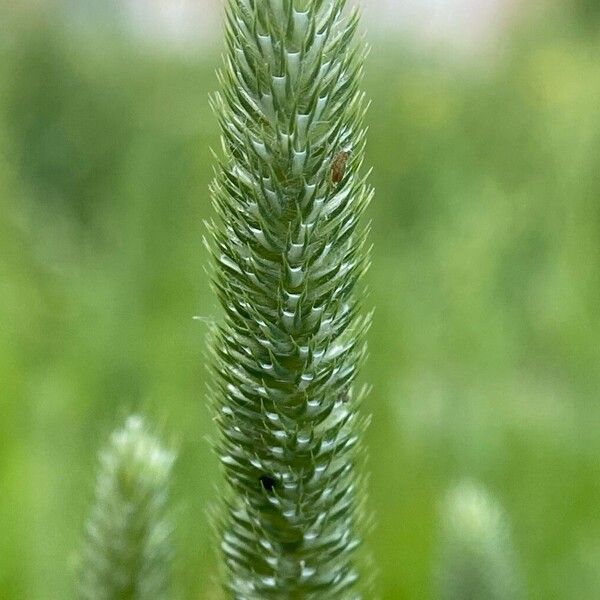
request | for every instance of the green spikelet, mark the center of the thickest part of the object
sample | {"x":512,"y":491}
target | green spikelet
{"x":289,"y":254}
{"x":476,"y":561}
{"x":127,"y":551}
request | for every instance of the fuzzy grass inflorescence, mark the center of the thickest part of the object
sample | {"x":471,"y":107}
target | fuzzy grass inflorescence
{"x":476,"y":560}
{"x":289,"y":252}
{"x":127,"y":551}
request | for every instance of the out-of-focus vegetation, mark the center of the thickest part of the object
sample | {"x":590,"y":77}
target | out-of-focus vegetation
{"x":476,"y":559}
{"x":484,"y":354}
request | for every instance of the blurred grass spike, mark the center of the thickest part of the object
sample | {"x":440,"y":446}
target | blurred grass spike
{"x":476,"y":555}
{"x":127,"y":551}
{"x":289,"y":254}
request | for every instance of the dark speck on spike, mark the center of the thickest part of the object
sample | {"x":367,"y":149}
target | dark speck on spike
{"x":267,"y":482}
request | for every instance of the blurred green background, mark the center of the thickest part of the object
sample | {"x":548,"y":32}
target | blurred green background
{"x":485,"y":348}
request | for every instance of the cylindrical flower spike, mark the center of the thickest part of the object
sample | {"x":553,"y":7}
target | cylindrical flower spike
{"x":476,"y":558}
{"x":289,"y":253}
{"x":127,"y":552}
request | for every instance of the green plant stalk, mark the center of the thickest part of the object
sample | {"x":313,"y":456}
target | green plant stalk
{"x":289,"y":253}
{"x":127,"y":550}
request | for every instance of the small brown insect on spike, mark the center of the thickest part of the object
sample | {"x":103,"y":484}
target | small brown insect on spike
{"x":338,"y":166}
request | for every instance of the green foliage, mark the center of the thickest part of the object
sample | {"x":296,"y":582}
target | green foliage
{"x":72,"y":131}
{"x":476,"y":561}
{"x":127,"y":551}
{"x":289,"y":255}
